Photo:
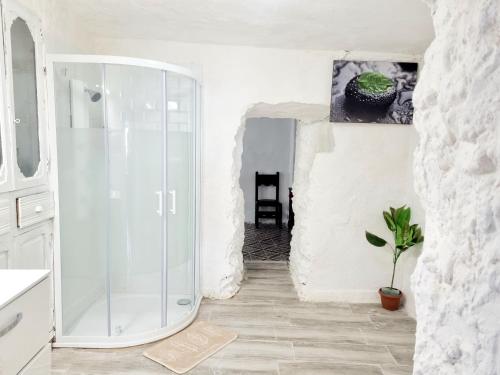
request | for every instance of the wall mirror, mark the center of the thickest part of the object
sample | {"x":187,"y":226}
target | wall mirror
{"x":25,"y":97}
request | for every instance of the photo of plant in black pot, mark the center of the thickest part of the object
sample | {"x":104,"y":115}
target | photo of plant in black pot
{"x":405,"y":237}
{"x":373,"y":92}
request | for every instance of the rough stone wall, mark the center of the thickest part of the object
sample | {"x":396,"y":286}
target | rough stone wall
{"x":368,"y":170}
{"x":311,"y":140}
{"x":457,"y":279}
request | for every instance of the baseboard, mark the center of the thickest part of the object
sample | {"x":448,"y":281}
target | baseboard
{"x":349,"y":296}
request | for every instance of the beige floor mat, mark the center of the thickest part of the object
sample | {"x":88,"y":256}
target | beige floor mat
{"x":186,"y":349}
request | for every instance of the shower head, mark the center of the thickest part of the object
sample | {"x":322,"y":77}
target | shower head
{"x":95,"y":96}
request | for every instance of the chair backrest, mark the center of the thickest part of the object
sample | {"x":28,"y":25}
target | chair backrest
{"x":267,"y":180}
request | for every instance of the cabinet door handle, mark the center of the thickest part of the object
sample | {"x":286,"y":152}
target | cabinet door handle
{"x":17,"y":121}
{"x":11,"y":325}
{"x":38,"y":209}
{"x":159,"y":210}
{"x":173,"y":210}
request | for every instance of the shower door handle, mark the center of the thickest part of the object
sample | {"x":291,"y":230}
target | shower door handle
{"x":173,"y":210}
{"x":159,"y":211}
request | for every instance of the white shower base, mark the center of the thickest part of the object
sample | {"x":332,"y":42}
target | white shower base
{"x":135,"y":319}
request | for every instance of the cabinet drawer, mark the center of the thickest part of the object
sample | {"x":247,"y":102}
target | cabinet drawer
{"x":4,"y":216}
{"x":34,"y":208}
{"x":5,"y":245}
{"x":24,"y":328}
{"x":40,"y":365}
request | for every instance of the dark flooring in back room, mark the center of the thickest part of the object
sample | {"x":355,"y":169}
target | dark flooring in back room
{"x":267,"y":242}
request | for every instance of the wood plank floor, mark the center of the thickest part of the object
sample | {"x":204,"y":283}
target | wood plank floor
{"x":278,"y":334}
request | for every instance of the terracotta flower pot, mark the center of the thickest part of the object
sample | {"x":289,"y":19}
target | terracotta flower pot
{"x":390,"y":302}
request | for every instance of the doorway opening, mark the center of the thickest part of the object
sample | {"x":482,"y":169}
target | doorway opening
{"x":313,"y":138}
{"x":266,"y":179}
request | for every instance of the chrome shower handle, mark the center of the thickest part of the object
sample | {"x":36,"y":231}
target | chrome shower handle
{"x":159,"y":211}
{"x":173,"y":210}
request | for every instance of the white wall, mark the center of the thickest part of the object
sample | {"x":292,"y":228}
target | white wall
{"x":235,"y":79}
{"x":457,"y":279}
{"x":368,"y":169}
{"x":62,"y":32}
{"x":268,"y":147}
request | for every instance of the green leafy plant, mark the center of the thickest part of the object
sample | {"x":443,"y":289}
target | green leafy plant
{"x":405,"y":237}
{"x":374,"y":82}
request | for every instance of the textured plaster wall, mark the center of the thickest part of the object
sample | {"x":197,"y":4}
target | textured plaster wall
{"x":313,"y":139}
{"x":237,"y":81}
{"x":62,"y":32}
{"x":457,"y":279}
{"x":318,"y":24}
{"x":368,"y":170}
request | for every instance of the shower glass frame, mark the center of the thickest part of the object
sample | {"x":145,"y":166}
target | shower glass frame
{"x":110,"y":341}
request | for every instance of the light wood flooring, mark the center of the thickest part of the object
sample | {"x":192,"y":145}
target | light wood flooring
{"x":278,"y":335}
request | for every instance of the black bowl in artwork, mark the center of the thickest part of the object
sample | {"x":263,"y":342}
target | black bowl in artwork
{"x":368,"y":95}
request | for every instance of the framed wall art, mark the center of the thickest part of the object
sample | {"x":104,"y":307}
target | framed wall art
{"x":373,"y":92}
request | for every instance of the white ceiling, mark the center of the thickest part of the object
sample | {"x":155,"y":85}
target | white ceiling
{"x":371,"y":25}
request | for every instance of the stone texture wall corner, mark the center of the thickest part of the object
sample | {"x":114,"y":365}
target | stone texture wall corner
{"x":457,"y":279}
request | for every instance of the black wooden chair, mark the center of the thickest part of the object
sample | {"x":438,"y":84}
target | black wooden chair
{"x":268,"y":208}
{"x":291,"y":214}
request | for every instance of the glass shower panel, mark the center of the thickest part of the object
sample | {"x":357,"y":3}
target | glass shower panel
{"x":134,"y":114}
{"x":81,"y":150}
{"x":127,"y":169}
{"x":180,"y":196}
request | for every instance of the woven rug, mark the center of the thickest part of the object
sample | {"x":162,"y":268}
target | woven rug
{"x":186,"y":349}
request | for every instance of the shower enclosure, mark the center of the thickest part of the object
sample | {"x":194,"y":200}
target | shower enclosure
{"x":126,"y":255}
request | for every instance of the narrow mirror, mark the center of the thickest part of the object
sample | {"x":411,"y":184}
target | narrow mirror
{"x":25,"y":98}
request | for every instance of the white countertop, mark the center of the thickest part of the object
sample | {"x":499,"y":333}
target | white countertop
{"x":13,"y":283}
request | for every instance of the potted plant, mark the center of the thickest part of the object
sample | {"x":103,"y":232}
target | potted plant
{"x":405,"y":237}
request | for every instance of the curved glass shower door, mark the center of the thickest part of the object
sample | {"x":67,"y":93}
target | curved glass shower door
{"x":134,"y":117}
{"x":127,"y":171}
{"x":181,"y":121}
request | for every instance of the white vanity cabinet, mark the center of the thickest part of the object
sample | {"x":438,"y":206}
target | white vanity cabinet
{"x":25,"y":94}
{"x":26,"y":229}
{"x":34,"y":208}
{"x":40,"y":364}
{"x":6,"y":181}
{"x":33,"y":248}
{"x":5,"y":236}
{"x":24,"y":321}
{"x":5,"y":247}
{"x":26,"y":203}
